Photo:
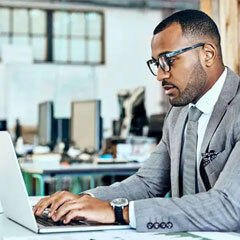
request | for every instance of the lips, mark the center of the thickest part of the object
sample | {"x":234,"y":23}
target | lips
{"x":169,"y":89}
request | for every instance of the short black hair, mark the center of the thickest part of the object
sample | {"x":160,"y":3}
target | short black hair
{"x":194,"y":23}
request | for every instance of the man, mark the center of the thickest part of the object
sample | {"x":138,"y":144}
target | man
{"x":197,"y":160}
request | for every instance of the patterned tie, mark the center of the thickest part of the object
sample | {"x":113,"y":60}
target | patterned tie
{"x":189,"y":152}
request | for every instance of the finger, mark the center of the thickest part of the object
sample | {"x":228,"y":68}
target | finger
{"x":63,"y":198}
{"x":73,"y":214}
{"x":46,"y":202}
{"x":38,"y":204}
{"x":55,"y":205}
{"x":41,"y":206}
{"x":64,"y":209}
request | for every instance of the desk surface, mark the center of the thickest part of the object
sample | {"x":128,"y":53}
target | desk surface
{"x":55,"y":167}
{"x":10,"y":230}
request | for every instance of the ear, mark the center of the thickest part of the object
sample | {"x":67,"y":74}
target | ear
{"x":209,"y":54}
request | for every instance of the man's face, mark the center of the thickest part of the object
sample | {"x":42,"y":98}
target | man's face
{"x":186,"y":81}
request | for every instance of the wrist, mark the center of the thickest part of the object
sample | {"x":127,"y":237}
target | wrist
{"x":126,"y":214}
{"x":120,"y":207}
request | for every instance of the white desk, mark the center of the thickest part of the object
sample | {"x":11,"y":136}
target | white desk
{"x":12,"y":231}
{"x":41,"y":170}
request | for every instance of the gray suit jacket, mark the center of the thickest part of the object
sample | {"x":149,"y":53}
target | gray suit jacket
{"x":217,"y":206}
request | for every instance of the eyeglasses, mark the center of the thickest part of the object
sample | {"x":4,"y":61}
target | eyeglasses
{"x":164,"y":60}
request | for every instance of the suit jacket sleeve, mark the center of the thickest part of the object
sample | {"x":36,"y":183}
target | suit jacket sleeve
{"x":152,"y":179}
{"x":215,"y":210}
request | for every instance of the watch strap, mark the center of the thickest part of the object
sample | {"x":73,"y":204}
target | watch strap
{"x":119,"y":215}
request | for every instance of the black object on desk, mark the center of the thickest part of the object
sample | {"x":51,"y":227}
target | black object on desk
{"x":66,"y":159}
{"x":63,"y":131}
{"x":3,"y":125}
{"x":156,"y":125}
{"x":47,"y":127}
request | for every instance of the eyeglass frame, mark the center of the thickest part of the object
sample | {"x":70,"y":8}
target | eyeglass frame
{"x":168,"y":55}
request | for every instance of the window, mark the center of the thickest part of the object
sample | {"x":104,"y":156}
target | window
{"x":24,"y":27}
{"x":73,"y":37}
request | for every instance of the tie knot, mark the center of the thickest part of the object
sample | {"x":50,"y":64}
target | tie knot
{"x":194,"y":114}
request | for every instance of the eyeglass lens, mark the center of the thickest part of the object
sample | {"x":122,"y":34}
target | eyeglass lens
{"x":162,"y":62}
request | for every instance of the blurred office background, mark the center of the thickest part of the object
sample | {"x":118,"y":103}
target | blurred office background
{"x":64,"y":62}
{"x":77,"y":50}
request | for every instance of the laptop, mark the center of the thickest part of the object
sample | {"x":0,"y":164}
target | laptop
{"x":16,"y":204}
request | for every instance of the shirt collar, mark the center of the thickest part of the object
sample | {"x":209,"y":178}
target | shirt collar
{"x":207,"y":102}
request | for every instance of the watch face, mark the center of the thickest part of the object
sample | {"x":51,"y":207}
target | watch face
{"x":120,"y":202}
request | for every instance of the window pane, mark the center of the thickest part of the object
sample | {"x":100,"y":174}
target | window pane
{"x":60,"y":52}
{"x":77,"y":24}
{"x":20,"y":21}
{"x":94,"y":24}
{"x":19,"y":40}
{"x":78,"y":48}
{"x":94,"y":51}
{"x":39,"y":48}
{"x":38,"y":21}
{"x":4,"y":20}
{"x":60,"y":23}
{"x":3,"y":40}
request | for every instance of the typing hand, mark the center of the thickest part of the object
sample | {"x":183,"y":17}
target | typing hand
{"x":85,"y":208}
{"x":53,"y":202}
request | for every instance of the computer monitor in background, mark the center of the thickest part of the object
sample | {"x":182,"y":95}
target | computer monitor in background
{"x":63,"y":131}
{"x":156,"y":125}
{"x":3,"y":125}
{"x":86,"y":125}
{"x":47,"y":131}
{"x":133,"y":115}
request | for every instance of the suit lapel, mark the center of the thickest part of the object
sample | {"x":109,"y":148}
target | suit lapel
{"x":176,"y":150}
{"x":217,"y":114}
{"x":228,"y":92}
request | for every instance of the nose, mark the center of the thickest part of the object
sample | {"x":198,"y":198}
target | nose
{"x":162,"y":74}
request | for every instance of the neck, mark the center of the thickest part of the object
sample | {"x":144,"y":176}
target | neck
{"x":215,"y":74}
{"x":212,"y":77}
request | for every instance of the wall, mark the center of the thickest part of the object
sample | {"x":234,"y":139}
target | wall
{"x":226,"y":14}
{"x":128,"y":35}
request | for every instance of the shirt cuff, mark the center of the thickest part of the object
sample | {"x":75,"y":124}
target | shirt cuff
{"x":88,"y":193}
{"x":132,"y":218}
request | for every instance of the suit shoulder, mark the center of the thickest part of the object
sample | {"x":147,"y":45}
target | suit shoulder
{"x":173,"y":115}
{"x":173,"y":112}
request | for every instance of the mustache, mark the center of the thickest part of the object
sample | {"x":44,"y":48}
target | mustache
{"x":164,"y":83}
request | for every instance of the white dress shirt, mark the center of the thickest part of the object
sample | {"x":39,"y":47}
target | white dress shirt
{"x":205,"y":104}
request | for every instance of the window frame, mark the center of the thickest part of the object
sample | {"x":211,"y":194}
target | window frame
{"x":49,"y":35}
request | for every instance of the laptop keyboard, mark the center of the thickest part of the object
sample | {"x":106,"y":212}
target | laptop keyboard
{"x":48,"y":222}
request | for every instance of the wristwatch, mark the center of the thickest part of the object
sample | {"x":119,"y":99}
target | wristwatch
{"x":118,"y":204}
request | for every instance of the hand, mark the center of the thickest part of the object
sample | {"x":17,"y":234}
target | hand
{"x":54,"y":202}
{"x":85,"y":208}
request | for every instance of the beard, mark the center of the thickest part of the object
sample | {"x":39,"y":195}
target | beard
{"x":194,"y":89}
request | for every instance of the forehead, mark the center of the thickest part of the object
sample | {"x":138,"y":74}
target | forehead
{"x":170,"y":39}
